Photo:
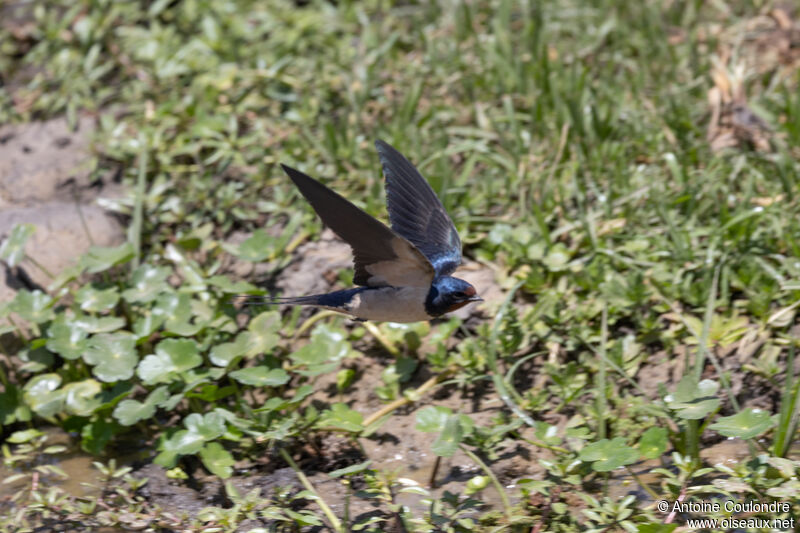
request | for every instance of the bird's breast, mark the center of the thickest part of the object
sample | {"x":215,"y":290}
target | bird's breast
{"x":390,"y":304}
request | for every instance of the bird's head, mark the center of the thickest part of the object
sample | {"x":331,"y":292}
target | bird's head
{"x":448,"y":294}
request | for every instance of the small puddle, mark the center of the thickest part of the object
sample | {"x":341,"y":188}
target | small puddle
{"x":76,"y":464}
{"x":448,"y":480}
{"x":82,"y":477}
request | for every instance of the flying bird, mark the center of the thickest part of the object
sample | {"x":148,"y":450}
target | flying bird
{"x":403,"y":273}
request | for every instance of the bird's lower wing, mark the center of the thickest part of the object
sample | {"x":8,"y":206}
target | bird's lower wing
{"x":381,"y":256}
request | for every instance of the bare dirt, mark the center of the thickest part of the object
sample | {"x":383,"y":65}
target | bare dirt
{"x":45,"y":180}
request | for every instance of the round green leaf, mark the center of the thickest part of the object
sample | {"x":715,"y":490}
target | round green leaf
{"x":113,"y":356}
{"x":176,"y":309}
{"x":692,"y":400}
{"x":183,"y":353}
{"x":745,"y":424}
{"x":102,"y":324}
{"x":223,"y":354}
{"x":405,"y":333}
{"x":147,"y":283}
{"x":333,"y":339}
{"x":172,"y":357}
{"x":156,"y":368}
{"x":128,"y":412}
{"x":432,"y":419}
{"x":606,"y":455}
{"x":209,"y":426}
{"x":107,"y":324}
{"x":145,"y":325}
{"x":96,"y":300}
{"x":173,"y":306}
{"x":653,"y":442}
{"x":217,"y":459}
{"x":264,"y":332}
{"x":547,"y":433}
{"x":327,"y":348}
{"x":32,"y":306}
{"x":42,"y":384}
{"x":184,"y":442}
{"x":67,"y":337}
{"x":82,"y":398}
{"x":342,"y":417}
{"x":159,"y":396}
{"x":41,"y":394}
{"x":260,"y":376}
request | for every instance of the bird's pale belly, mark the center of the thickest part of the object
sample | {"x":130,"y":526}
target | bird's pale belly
{"x":390,"y":304}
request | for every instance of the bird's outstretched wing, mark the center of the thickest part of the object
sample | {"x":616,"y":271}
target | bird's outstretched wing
{"x":381,"y":256}
{"x":417,"y":213}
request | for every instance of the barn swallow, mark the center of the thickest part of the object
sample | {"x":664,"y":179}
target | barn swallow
{"x":403,"y":273}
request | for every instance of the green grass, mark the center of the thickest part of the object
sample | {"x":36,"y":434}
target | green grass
{"x":568,"y":142}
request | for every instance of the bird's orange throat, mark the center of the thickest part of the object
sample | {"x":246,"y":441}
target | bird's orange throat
{"x":457,"y":306}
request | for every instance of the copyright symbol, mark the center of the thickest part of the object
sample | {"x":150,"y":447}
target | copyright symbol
{"x":663,"y":506}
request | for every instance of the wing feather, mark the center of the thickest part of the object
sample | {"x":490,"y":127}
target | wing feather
{"x":416,"y":212}
{"x":381,"y":256}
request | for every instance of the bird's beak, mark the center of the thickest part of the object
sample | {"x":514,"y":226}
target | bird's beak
{"x":475,"y":298}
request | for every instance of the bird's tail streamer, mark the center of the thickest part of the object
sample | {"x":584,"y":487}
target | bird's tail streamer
{"x":251,"y":300}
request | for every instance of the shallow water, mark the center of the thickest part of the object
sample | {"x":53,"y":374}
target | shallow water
{"x":82,"y":478}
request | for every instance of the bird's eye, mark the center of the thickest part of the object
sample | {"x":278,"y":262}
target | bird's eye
{"x":460,"y":295}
